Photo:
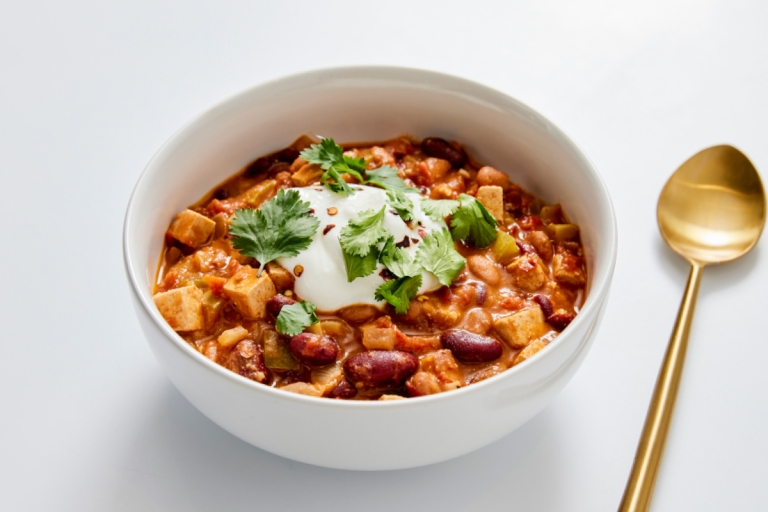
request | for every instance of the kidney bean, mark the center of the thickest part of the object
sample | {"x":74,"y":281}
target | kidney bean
{"x":468,"y":347}
{"x":560,"y":319}
{"x":314,"y":349}
{"x":258,"y":166}
{"x":287,"y":155}
{"x":441,"y":148}
{"x":247,"y":359}
{"x":545,"y":304}
{"x":343,"y":390}
{"x":276,"y":303}
{"x":482,"y":293}
{"x":381,"y":368}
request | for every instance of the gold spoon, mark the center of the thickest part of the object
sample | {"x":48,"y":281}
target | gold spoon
{"x":712,"y":210}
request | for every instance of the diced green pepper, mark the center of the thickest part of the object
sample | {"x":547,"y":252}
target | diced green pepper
{"x":505,"y":248}
{"x":212,"y":307}
{"x":277,"y":355}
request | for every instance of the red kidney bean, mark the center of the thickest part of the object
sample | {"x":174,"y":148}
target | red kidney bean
{"x":314,"y":349}
{"x":468,"y":347}
{"x":545,"y":304}
{"x":247,"y":359}
{"x":381,"y":368}
{"x":560,"y":319}
{"x":258,"y":166}
{"x":276,"y":303}
{"x":287,"y":155}
{"x":482,"y":293}
{"x":441,"y":148}
{"x":343,"y":390}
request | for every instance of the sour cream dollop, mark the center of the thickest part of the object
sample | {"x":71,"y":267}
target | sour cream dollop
{"x":323,"y":280}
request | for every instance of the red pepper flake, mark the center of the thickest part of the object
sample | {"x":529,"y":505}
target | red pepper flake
{"x":327,"y":228}
{"x":405,"y":243}
{"x":415,"y":240}
{"x":311,"y":211}
{"x":333,"y":210}
{"x":422,"y":233}
{"x":298,"y":270}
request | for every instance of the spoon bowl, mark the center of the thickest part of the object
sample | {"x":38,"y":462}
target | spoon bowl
{"x":712,"y":210}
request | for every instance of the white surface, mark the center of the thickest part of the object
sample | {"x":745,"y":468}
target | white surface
{"x":407,"y":433}
{"x":323,"y":260}
{"x":91,"y":91}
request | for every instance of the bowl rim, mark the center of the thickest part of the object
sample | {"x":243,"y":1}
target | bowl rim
{"x":415,"y":77}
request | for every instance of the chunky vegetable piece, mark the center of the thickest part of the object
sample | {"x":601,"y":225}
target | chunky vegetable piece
{"x":512,"y":273}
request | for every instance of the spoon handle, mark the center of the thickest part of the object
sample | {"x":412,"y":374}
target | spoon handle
{"x":637,"y":495}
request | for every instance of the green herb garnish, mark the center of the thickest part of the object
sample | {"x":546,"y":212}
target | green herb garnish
{"x":399,"y":292}
{"x":398,"y":261}
{"x":472,"y":222}
{"x":401,"y":203}
{"x":360,"y":266}
{"x":281,"y":228}
{"x":294,"y":318}
{"x":330,"y":157}
{"x":361,"y":233}
{"x":438,"y":254}
{"x":386,"y":177}
{"x":439,"y":209}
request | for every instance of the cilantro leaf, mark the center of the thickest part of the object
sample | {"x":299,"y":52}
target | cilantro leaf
{"x":360,"y":234}
{"x":438,"y":254}
{"x":294,"y":318}
{"x":401,"y":204}
{"x":439,"y":209}
{"x":360,"y":266}
{"x":333,"y":180}
{"x":398,"y":261}
{"x":399,"y":292}
{"x":473,"y":223}
{"x":330,"y":157}
{"x":386,"y":177}
{"x":282,"y":227}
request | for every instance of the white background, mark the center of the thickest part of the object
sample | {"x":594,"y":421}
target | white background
{"x":91,"y":89}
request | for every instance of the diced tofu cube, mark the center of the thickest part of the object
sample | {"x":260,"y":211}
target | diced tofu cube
{"x":250,"y":292}
{"x":518,"y":329}
{"x":191,"y":228}
{"x":567,"y":269}
{"x":307,"y":175}
{"x":232,"y":336}
{"x":282,"y":278}
{"x":527,"y":272}
{"x":181,"y":308}
{"x":380,"y":334}
{"x":532,"y":348}
{"x":259,"y":193}
{"x":303,"y":388}
{"x":492,"y":198}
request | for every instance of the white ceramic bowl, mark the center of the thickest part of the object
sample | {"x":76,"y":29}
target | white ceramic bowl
{"x":367,"y":104}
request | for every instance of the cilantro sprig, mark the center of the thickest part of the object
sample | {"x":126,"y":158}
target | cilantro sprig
{"x":438,"y":255}
{"x":470,"y":220}
{"x":293,"y":318}
{"x":401,"y":203}
{"x":330,"y":157}
{"x":281,"y":228}
{"x":399,"y":292}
